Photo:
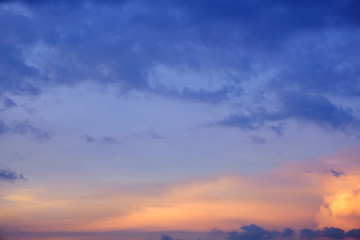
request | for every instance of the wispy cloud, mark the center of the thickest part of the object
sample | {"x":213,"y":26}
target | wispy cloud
{"x":91,"y":139}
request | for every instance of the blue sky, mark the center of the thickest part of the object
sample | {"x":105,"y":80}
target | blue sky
{"x":137,"y":95}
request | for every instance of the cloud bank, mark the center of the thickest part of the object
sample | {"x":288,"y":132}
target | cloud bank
{"x":254,"y":232}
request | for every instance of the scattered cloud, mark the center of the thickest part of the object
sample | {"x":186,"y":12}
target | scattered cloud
{"x":91,"y":139}
{"x":25,"y":128}
{"x":336,"y":173}
{"x":9,"y":175}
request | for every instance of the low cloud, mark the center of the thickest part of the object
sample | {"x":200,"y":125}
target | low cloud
{"x":165,"y":237}
{"x":255,"y":232}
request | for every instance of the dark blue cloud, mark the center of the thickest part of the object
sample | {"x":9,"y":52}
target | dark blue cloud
{"x":10,"y":176}
{"x":354,"y":233}
{"x":254,"y":232}
{"x":192,"y":33}
{"x":309,"y":233}
{"x":333,"y":233}
{"x":316,"y":109}
{"x":313,"y":46}
{"x":305,"y":108}
{"x":7,"y":103}
{"x":24,"y":128}
{"x":165,"y":237}
{"x":288,"y":232}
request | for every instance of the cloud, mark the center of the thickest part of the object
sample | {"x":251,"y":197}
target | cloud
{"x":202,"y":95}
{"x":332,"y":233}
{"x":3,"y":127}
{"x":25,"y":128}
{"x":258,"y":140}
{"x":336,"y":173}
{"x":7,"y":103}
{"x":302,"y":107}
{"x":165,"y":237}
{"x":308,"y":49}
{"x":9,"y":175}
{"x":251,"y":232}
{"x":254,"y":232}
{"x":342,"y":208}
{"x":354,"y":233}
{"x":296,"y":195}
{"x":91,"y":139}
{"x":226,"y":36}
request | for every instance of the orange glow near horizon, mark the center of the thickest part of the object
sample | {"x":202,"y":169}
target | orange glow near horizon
{"x":295,"y":195}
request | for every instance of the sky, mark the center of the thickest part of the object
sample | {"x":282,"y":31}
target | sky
{"x":170,"y":119}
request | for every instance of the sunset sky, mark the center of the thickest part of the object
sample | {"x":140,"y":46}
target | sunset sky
{"x":168,"y":119}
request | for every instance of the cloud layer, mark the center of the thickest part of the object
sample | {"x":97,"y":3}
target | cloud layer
{"x":300,"y":57}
